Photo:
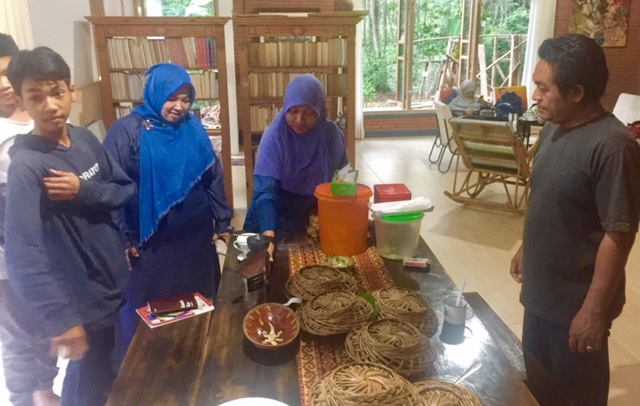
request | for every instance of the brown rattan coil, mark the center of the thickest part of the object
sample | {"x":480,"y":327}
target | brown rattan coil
{"x":393,"y":343}
{"x":402,"y":304}
{"x":363,"y":384}
{"x":439,"y":393}
{"x":313,"y":280}
{"x":334,"y":313}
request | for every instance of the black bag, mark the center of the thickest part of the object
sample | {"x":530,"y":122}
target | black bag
{"x":508,"y":103}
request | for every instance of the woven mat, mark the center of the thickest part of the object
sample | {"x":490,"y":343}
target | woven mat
{"x":320,"y":355}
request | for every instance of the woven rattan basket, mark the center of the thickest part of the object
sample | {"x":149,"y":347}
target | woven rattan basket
{"x":402,"y":304}
{"x":313,"y":280}
{"x":393,"y":343}
{"x":334,"y":313}
{"x":439,"y":393}
{"x":363,"y":384}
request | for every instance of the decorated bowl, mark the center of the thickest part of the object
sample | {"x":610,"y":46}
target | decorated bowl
{"x":271,"y":326}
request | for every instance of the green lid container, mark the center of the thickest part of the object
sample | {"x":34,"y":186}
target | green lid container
{"x":403,"y":217}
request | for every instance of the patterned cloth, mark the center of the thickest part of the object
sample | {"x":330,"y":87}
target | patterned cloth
{"x":318,"y":356}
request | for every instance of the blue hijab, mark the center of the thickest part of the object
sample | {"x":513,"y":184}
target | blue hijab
{"x":173,"y":156}
{"x":301,"y":162}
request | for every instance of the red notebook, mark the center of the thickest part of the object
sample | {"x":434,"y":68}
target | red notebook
{"x":172,"y":305}
{"x":153,"y":321}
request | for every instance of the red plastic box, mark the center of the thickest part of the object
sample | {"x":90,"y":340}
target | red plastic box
{"x":391,"y":192}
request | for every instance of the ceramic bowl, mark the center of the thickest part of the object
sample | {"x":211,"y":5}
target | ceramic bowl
{"x":271,"y":326}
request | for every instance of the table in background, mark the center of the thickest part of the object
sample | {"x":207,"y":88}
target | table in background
{"x":206,"y":360}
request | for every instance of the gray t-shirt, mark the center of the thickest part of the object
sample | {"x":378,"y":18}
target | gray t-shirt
{"x":585,"y":181}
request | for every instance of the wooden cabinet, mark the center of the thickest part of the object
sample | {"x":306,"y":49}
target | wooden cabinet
{"x":127,"y":46}
{"x":272,"y":49}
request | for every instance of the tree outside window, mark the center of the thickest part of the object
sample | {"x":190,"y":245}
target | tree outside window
{"x":180,"y":8}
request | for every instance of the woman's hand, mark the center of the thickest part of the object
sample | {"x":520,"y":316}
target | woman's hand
{"x":272,"y":245}
{"x":131,"y":251}
{"x":226,"y":237}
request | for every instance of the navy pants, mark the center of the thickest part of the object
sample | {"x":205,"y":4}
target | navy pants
{"x":585,"y":375}
{"x":88,"y":381}
{"x":27,"y":365}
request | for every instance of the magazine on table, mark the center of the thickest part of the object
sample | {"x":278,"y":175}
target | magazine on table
{"x":154,"y":321}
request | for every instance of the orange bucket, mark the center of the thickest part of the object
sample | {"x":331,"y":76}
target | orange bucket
{"x":343,"y":220}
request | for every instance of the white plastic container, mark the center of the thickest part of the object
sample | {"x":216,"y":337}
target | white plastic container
{"x":397,"y":235}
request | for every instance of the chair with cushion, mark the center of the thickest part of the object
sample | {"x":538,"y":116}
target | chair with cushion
{"x":444,"y":140}
{"x":489,"y":154}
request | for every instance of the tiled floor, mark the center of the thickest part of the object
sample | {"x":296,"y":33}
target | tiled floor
{"x":477,"y":244}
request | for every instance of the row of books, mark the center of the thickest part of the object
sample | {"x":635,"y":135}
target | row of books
{"x":262,"y":116}
{"x":142,"y":53}
{"x":274,"y":84}
{"x":298,"y":54}
{"x":123,"y":110}
{"x":130,"y":86}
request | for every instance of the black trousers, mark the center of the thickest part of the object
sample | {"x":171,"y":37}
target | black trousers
{"x":584,"y":375}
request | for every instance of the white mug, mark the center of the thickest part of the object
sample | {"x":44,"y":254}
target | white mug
{"x":456,"y":314}
{"x":241,"y":243}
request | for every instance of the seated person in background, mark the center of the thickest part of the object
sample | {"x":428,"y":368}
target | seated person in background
{"x":300,"y":150}
{"x":466,"y":103}
{"x":509,"y":102}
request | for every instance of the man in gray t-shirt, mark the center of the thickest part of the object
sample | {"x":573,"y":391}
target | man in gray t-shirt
{"x":581,"y":222}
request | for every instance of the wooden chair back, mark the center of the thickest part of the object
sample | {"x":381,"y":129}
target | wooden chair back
{"x":490,"y":153}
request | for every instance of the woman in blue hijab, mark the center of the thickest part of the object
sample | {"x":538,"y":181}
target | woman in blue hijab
{"x":300,"y":150}
{"x":181,"y":207}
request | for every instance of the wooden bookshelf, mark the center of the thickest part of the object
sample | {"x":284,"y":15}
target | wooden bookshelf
{"x":127,"y":46}
{"x":273,"y":49}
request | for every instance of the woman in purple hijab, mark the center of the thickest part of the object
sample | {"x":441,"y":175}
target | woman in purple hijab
{"x":300,"y":150}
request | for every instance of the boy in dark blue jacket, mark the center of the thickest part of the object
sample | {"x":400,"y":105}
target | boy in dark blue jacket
{"x":63,"y":251}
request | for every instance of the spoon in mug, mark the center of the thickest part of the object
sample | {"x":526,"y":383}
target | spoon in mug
{"x":292,"y":301}
{"x":473,"y":368}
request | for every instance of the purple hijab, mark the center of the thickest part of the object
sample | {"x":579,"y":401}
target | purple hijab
{"x":301,"y":162}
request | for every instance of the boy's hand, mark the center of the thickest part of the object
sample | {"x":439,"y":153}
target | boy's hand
{"x":72,"y":344}
{"x":62,"y":186}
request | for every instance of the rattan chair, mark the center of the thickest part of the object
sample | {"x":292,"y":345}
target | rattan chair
{"x":489,"y":153}
{"x":444,"y":141}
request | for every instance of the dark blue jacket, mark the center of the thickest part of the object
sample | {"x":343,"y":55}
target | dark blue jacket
{"x":123,"y":145}
{"x":66,"y":258}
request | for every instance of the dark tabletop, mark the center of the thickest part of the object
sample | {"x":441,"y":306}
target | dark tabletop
{"x":206,"y":360}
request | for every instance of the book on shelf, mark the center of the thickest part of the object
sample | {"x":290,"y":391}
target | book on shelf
{"x":152,"y":321}
{"x":274,"y":84}
{"x":142,"y":53}
{"x":130,"y":85}
{"x":332,"y":52}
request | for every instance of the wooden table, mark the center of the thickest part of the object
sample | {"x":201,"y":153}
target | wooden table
{"x":206,"y":360}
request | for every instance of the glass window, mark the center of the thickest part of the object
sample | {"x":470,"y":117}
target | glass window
{"x":180,"y":8}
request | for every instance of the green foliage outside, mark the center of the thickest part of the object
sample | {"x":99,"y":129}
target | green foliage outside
{"x":435,"y":22}
{"x":188,"y":8}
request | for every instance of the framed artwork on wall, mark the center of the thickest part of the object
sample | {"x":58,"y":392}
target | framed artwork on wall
{"x":606,"y":21}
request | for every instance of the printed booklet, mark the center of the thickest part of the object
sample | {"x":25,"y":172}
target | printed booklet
{"x":160,"y":320}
